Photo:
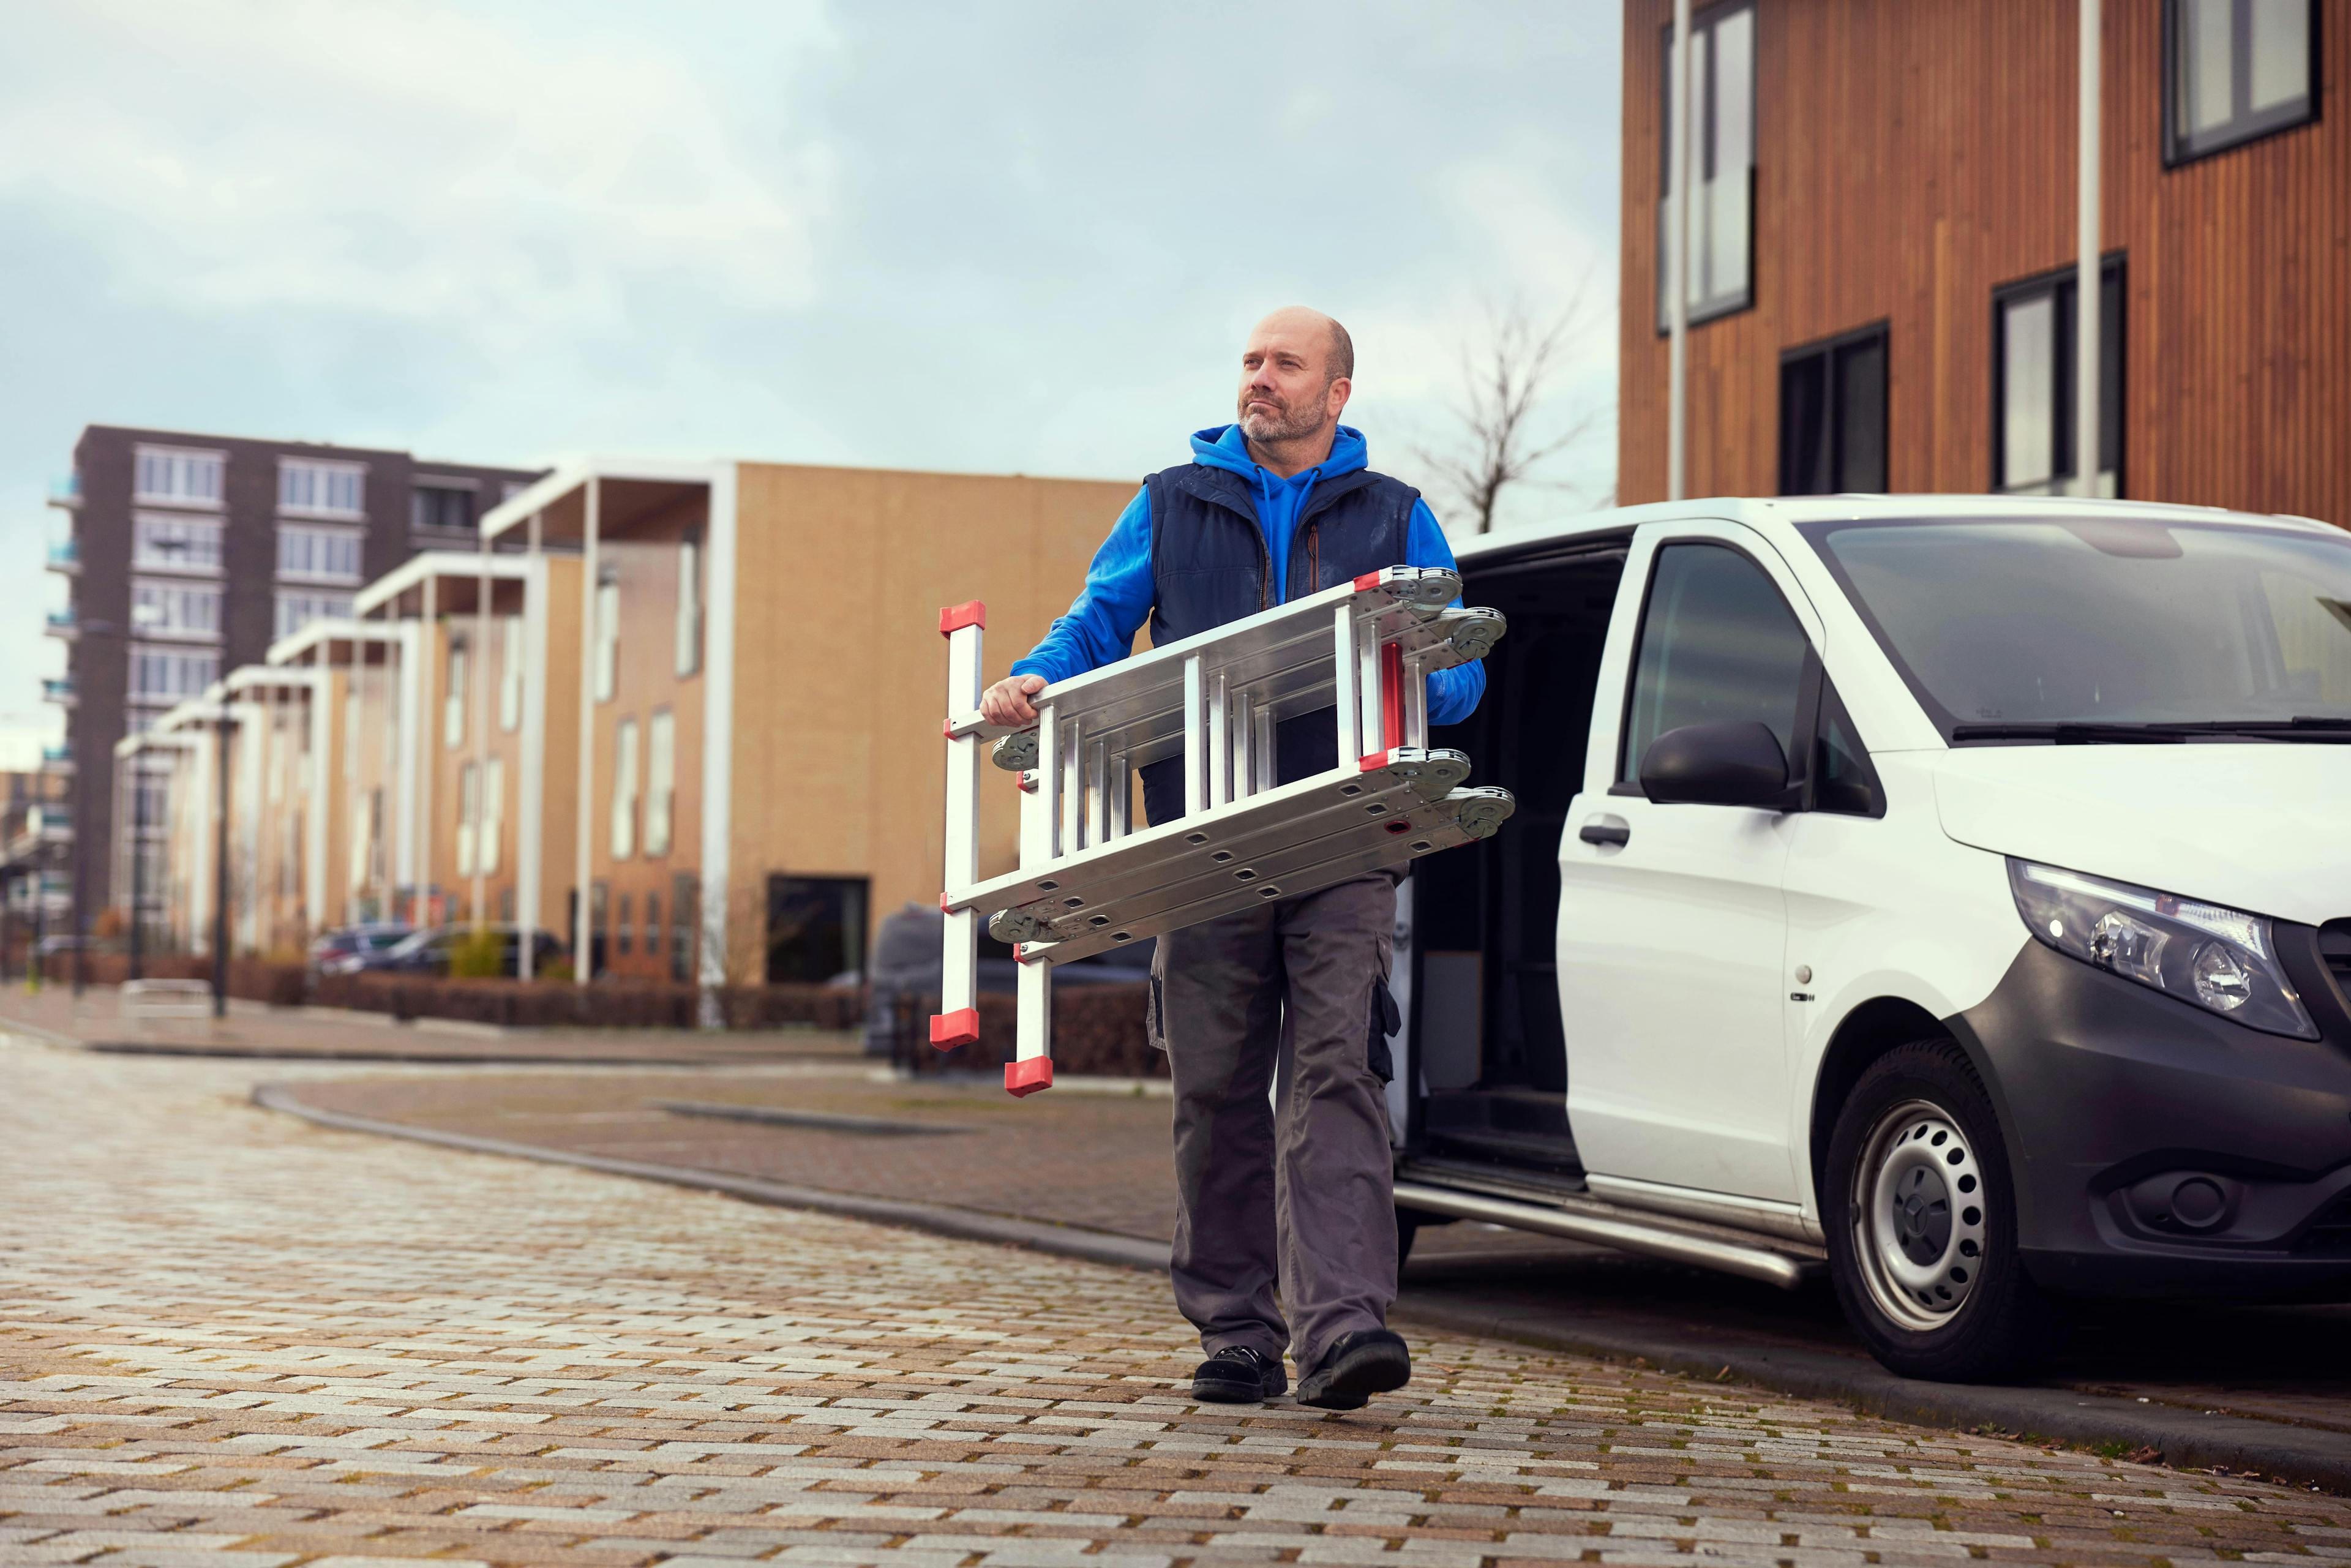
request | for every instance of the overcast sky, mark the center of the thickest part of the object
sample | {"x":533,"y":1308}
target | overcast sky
{"x":1023,"y":236}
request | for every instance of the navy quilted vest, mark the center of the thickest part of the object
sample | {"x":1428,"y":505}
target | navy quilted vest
{"x":1208,"y":566}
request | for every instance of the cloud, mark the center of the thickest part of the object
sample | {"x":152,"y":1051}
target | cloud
{"x":405,"y":161}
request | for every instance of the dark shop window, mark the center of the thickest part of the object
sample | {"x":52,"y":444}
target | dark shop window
{"x":2235,"y":70}
{"x":1722,"y":166}
{"x":441,"y":506}
{"x":1833,"y":415}
{"x":816,"y":928}
{"x":2033,"y":383}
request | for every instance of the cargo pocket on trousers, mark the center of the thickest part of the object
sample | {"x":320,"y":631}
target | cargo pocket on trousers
{"x":1154,"y":1026}
{"x":1385,"y":1019}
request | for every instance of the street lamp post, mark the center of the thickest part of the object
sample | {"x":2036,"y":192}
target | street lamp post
{"x":138,"y":855}
{"x":220,"y":865}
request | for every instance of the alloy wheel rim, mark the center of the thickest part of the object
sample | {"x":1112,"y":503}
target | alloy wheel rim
{"x":1918,"y":1215}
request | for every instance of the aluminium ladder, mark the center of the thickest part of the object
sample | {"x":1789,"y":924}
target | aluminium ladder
{"x":1090,"y":880}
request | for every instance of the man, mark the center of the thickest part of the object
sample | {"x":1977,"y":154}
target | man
{"x":1273,"y":507}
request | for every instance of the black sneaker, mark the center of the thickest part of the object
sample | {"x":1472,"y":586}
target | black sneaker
{"x":1356,"y":1366}
{"x":1239,"y":1376}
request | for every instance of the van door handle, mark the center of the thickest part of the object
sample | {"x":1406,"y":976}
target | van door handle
{"x":1606,"y":830}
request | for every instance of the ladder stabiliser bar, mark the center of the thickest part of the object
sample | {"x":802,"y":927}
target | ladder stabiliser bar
{"x":1091,"y":879}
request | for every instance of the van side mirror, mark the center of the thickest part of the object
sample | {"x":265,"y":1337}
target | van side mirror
{"x":1717,"y":765}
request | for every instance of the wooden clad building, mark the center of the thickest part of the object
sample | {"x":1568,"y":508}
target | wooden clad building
{"x":1883,"y":237}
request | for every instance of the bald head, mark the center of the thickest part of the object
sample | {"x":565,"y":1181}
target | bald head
{"x":1297,"y":370}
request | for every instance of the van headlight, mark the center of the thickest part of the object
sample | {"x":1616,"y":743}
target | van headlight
{"x":2223,"y":960}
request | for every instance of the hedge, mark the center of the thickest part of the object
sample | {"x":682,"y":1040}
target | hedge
{"x":1098,"y":1030}
{"x":561,"y":1004}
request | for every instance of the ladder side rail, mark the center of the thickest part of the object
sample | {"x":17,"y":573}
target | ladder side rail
{"x":1415,"y":702}
{"x":1371,"y":668}
{"x":1221,"y":759}
{"x":1068,"y":748}
{"x":957,"y":1020}
{"x":1097,"y":792}
{"x":1031,"y":1067}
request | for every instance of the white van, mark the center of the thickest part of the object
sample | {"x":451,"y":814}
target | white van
{"x":1954,"y":891}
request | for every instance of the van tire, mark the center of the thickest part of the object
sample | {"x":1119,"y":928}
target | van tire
{"x":1921,"y":1220}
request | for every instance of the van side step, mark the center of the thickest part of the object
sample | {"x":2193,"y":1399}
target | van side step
{"x":1606,"y":1226}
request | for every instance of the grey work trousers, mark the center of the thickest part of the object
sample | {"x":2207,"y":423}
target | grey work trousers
{"x":1295,"y":1195}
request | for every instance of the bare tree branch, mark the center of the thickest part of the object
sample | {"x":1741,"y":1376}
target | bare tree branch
{"x":1505,"y":375}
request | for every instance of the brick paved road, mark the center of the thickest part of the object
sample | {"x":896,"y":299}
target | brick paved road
{"x":230,"y":1341}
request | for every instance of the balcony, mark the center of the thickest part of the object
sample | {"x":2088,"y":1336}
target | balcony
{"x":53,"y":820}
{"x":65,"y":555}
{"x":67,"y":492}
{"x":61,"y":623}
{"x":59,"y":689}
{"x":57,"y":759}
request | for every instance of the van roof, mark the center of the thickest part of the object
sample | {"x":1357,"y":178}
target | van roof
{"x":1794,"y":509}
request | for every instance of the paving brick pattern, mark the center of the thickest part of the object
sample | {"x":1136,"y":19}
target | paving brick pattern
{"x":228,"y":1340}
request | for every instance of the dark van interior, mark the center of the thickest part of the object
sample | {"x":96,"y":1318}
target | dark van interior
{"x":1490,"y":1083}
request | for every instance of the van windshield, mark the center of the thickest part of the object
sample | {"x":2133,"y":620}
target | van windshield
{"x":2090,"y":628}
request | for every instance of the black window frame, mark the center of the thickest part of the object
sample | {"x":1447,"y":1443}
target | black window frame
{"x":1829,"y":350}
{"x":854,"y":896}
{"x":2179,"y":149}
{"x":2114,"y":347}
{"x":1702,"y":21}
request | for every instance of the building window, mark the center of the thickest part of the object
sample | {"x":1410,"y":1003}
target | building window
{"x":329,"y":554}
{"x":494,"y":815}
{"x":469,"y":814}
{"x":295,"y":610}
{"x":452,"y":697}
{"x":180,"y":544}
{"x":169,"y":675}
{"x":175,"y":609}
{"x":510,"y":489}
{"x":511,"y":673}
{"x":167,"y":474}
{"x":1722,"y":166}
{"x":2236,"y":70}
{"x":433,"y":505}
{"x":689,"y":605}
{"x":653,"y":922}
{"x":2033,"y":343}
{"x":1833,"y":415}
{"x":624,"y":789}
{"x":624,"y":932}
{"x":608,"y":634}
{"x":661,"y":779}
{"x":816,"y":928}
{"x":321,"y":489}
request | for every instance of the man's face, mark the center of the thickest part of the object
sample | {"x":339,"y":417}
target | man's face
{"x":1287,"y":391}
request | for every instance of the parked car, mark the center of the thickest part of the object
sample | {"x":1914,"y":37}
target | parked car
{"x":429,"y":951}
{"x":374,"y":937}
{"x":1952,"y":893}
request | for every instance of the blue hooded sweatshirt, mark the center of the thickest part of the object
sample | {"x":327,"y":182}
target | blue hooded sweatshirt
{"x":1116,"y":599}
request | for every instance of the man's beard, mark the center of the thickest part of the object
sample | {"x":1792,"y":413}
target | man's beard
{"x":1287,"y":425}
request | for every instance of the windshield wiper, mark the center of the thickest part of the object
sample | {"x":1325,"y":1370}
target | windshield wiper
{"x":2072,"y":732}
{"x":2302,"y":726}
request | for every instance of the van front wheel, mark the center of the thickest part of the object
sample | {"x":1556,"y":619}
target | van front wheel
{"x":1921,"y":1222}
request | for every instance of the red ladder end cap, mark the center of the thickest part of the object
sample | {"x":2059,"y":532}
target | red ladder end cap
{"x":947,"y":904}
{"x":1375,"y":761}
{"x":1369,"y":579}
{"x":956,"y":617}
{"x":1022,"y":1079}
{"x":959,"y":1028}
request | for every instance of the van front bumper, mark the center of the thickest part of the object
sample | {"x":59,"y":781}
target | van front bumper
{"x":2158,"y":1149}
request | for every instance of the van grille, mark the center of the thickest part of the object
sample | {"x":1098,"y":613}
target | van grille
{"x":2329,"y":1235}
{"x":2335,"y":946}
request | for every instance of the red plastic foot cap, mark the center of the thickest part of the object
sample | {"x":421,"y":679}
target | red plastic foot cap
{"x":946,"y":904}
{"x":1369,"y":579}
{"x":951,"y":1029}
{"x":1022,"y":1079}
{"x":956,"y":617}
{"x":1375,"y":761}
